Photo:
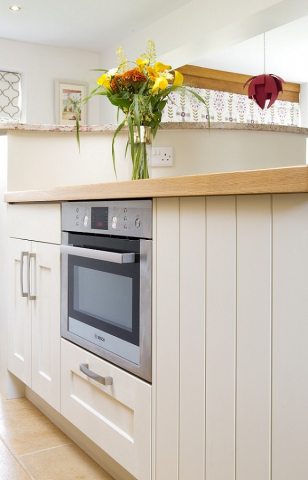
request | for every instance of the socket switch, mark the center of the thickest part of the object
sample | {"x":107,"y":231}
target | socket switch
{"x":162,"y":156}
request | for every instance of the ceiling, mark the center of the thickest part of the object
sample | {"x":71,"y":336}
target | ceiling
{"x":91,"y":25}
{"x":72,"y":24}
{"x":286,"y":54}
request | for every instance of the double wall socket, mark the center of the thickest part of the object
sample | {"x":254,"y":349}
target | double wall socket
{"x":162,"y":157}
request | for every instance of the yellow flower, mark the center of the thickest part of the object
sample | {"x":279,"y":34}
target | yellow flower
{"x":152,"y":74}
{"x":103,"y":81}
{"x":160,"y":82}
{"x":141,"y":63}
{"x":160,"y":67}
{"x":178,"y":79}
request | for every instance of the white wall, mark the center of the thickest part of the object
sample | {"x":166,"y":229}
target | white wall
{"x":40,"y":67}
{"x":199,"y":29}
{"x":194,"y":152}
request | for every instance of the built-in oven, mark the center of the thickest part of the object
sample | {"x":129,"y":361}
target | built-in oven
{"x":106,"y":280}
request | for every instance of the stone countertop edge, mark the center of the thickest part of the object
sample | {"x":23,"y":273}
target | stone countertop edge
{"x":248,"y":182}
{"x":7,"y":127}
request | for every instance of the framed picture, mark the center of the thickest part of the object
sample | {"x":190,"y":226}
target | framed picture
{"x":69,"y":95}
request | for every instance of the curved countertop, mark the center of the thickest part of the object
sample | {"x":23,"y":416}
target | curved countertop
{"x":274,"y":180}
{"x":11,"y":127}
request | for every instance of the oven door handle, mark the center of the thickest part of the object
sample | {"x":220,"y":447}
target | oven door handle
{"x":84,"y":368}
{"x":113,"y":257}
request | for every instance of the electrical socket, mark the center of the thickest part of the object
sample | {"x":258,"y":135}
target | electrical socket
{"x":162,"y":157}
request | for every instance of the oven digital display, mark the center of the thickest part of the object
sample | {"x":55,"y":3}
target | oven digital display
{"x":99,"y":218}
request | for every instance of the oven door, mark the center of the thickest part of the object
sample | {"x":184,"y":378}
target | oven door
{"x":106,"y":300}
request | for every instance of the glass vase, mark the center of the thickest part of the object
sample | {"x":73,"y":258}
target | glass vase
{"x":142,"y":155}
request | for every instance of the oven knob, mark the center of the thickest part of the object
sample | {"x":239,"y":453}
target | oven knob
{"x":86,"y":221}
{"x":114,"y":222}
{"x":137,"y":222}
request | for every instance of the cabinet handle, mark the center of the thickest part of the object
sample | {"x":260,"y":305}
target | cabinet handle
{"x":30,"y":297}
{"x":84,"y":368}
{"x":23,"y":254}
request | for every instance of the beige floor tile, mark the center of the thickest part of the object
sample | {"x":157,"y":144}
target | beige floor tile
{"x":9,"y":467}
{"x":64,"y":463}
{"x":25,"y":429}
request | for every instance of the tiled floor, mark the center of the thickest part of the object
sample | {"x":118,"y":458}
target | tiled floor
{"x":32,"y":447}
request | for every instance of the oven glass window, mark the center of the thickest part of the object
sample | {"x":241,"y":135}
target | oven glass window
{"x":104,"y":296}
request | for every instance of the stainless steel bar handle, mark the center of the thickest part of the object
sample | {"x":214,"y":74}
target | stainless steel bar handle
{"x":113,"y":257}
{"x":30,"y":297}
{"x":84,"y":368}
{"x":23,"y":254}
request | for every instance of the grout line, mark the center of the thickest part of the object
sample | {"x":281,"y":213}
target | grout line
{"x":20,"y":463}
{"x":45,"y":450}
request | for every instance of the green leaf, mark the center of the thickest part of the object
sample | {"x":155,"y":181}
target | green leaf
{"x":131,"y":135}
{"x":136,"y":110}
{"x":77,"y":131}
{"x":154,"y":130}
{"x":162,"y":105}
{"x":113,"y":154}
{"x":126,"y":148}
{"x":93,"y":93}
{"x":119,"y":102}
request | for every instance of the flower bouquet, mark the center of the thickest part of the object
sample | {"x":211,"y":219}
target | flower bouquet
{"x":141,"y":93}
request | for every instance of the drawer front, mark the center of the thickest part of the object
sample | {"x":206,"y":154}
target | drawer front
{"x":38,"y":222}
{"x":116,"y":417}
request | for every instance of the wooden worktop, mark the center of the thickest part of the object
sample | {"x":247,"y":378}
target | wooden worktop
{"x":276,"y":180}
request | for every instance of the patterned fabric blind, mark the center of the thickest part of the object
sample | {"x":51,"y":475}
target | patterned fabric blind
{"x":228,"y":107}
{"x":10,"y":97}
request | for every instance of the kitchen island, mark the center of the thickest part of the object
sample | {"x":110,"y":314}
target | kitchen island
{"x":229,"y":321}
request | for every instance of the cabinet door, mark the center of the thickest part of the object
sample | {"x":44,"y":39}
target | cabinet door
{"x":45,"y":287}
{"x":19,"y":311}
{"x":116,"y":417}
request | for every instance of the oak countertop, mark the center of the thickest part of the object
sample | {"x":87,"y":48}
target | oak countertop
{"x":274,"y":180}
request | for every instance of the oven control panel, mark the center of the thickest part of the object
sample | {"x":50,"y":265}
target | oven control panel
{"x":131,"y":218}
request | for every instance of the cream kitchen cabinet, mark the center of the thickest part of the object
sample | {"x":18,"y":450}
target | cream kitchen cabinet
{"x":117,"y":416}
{"x":34,"y":298}
{"x":231,"y":326}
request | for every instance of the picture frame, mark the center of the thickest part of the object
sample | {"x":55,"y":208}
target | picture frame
{"x":69,"y":94}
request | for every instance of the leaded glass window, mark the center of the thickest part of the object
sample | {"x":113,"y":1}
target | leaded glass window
{"x":10,"y":97}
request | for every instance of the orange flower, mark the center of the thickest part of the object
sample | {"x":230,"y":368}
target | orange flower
{"x":115,"y":82}
{"x":134,"y":76}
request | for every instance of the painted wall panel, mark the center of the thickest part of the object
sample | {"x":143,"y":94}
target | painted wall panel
{"x":167,"y":337}
{"x":253,"y":397}
{"x":192,"y":339}
{"x":220,"y":338}
{"x":290,"y":337}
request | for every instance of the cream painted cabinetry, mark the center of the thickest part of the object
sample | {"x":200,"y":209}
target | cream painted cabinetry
{"x":231,"y":310}
{"x":116,"y":417}
{"x":34,"y":298}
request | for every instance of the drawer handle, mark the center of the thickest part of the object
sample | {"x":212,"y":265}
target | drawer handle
{"x":104,"y":380}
